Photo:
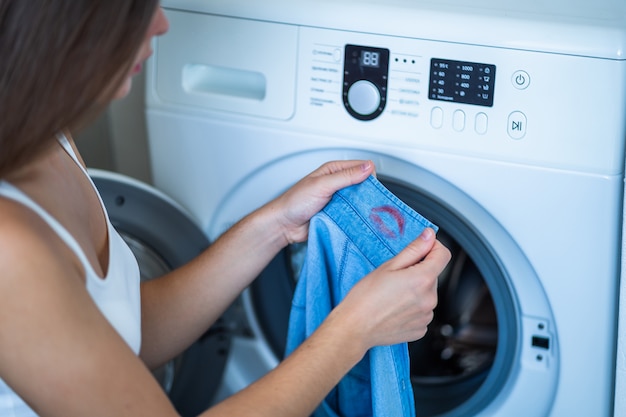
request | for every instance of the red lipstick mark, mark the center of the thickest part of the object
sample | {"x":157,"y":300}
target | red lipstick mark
{"x":375,"y":217}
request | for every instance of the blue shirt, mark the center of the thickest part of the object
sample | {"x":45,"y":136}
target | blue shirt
{"x":361,"y":227}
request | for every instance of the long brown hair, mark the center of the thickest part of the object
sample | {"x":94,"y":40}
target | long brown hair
{"x":60,"y":64}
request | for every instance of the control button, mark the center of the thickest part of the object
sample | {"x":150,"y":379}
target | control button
{"x":337,"y":55}
{"x":517,"y":125}
{"x":364,"y":97}
{"x":436,"y":117}
{"x":458,"y":120}
{"x":481,"y":123}
{"x":520,"y":80}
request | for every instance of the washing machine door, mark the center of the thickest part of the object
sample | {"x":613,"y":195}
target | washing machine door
{"x":163,"y":237}
{"x":490,"y":342}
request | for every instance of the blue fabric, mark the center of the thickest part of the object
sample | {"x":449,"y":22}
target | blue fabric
{"x":361,"y":227}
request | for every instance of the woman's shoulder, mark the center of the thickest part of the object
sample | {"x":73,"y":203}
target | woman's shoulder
{"x":29,"y":247}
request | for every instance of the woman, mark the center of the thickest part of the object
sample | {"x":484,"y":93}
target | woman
{"x":75,"y":339}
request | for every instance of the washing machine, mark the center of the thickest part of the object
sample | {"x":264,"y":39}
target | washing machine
{"x":501,"y":121}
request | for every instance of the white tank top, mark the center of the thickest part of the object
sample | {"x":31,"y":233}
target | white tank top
{"x":116,"y":295}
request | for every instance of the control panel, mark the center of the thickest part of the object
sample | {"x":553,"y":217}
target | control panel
{"x":366,"y":73}
{"x":405,"y":86}
{"x":411,"y":88}
{"x":464,"y":99}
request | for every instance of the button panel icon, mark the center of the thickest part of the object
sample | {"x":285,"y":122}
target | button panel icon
{"x":517,"y":125}
{"x":520,"y":80}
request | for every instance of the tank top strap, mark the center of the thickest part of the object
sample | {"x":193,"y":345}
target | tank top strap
{"x":65,"y":143}
{"x":62,"y":139}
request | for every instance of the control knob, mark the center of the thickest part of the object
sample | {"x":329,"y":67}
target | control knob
{"x":364,"y":97}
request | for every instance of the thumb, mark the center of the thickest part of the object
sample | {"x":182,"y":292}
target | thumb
{"x":414,"y":252}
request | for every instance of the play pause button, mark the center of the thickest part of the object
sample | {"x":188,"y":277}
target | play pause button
{"x":517,"y":125}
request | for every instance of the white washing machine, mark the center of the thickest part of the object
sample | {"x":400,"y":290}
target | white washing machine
{"x":501,"y":121}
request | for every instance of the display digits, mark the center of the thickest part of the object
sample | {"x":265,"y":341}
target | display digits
{"x":370,"y":59}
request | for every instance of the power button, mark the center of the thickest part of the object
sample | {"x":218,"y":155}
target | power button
{"x":520,"y":80}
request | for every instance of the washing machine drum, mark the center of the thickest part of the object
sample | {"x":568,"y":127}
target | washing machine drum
{"x":466,"y":356}
{"x":163,"y":237}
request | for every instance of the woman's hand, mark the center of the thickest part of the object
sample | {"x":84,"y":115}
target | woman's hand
{"x":293,"y":210}
{"x":395,"y":302}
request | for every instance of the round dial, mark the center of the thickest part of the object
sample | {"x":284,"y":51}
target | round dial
{"x":364,"y":97}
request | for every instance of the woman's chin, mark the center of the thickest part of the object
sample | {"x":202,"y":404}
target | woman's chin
{"x":124,"y":89}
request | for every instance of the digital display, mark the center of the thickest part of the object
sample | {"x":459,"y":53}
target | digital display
{"x":462,"y":82}
{"x":370,"y":59}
